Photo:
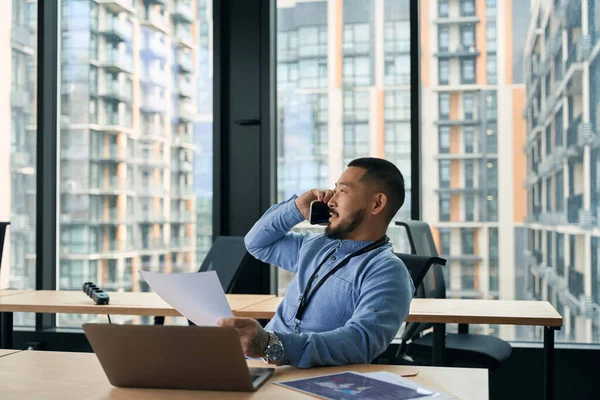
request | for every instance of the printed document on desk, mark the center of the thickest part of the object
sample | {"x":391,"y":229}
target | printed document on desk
{"x":198,"y":296}
{"x":352,"y":385}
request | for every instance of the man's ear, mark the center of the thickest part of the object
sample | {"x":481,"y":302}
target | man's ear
{"x":379,"y":204}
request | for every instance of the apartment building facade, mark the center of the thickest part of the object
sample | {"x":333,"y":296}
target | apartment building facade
{"x":563,"y":162}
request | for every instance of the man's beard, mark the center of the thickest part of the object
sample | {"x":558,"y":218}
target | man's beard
{"x":346,"y":228}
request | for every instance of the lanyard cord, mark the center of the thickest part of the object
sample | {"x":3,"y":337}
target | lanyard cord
{"x":308,"y":294}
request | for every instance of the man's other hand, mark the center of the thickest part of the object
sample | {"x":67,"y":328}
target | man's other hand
{"x":253,"y":337}
{"x":303,"y":201}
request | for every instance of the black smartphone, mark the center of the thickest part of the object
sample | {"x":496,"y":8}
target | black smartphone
{"x":319,"y":213}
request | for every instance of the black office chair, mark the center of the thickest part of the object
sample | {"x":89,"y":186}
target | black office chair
{"x":226,"y":256}
{"x":419,"y":265}
{"x":3,"y":226}
{"x":462,"y":349}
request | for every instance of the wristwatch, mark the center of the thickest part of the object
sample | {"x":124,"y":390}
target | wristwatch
{"x":274,"y":350}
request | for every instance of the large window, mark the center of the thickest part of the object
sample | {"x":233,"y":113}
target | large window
{"x":363,"y":80}
{"x":136,"y":176}
{"x":555,"y":91}
{"x":18,"y":169}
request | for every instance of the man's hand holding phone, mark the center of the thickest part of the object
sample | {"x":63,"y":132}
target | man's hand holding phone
{"x":303,"y":201}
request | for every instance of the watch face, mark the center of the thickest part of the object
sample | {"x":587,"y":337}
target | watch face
{"x":274,"y":352}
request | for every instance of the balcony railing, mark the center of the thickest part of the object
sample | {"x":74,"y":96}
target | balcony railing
{"x":118,"y":60}
{"x":116,"y":29}
{"x":183,"y":139}
{"x":182,"y":11}
{"x":187,"y":111}
{"x":585,"y":135}
{"x":152,"y":244}
{"x":185,"y":61}
{"x":119,"y":5}
{"x":182,"y":242}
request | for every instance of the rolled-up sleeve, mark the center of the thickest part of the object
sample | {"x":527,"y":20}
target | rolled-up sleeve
{"x":270,"y":239}
{"x":383,"y":304}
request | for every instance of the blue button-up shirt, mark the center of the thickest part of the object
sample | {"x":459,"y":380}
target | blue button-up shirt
{"x":354,"y":315}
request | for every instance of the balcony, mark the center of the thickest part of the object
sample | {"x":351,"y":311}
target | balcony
{"x":109,"y":153}
{"x":183,"y":217}
{"x":183,"y":139}
{"x":553,"y":219}
{"x":157,"y":244}
{"x":22,"y":159}
{"x":115,"y":91}
{"x":187,"y":111}
{"x":459,"y":52}
{"x":155,"y":47}
{"x":575,"y":282}
{"x":117,"y":61}
{"x":183,"y":37}
{"x":116,"y":30}
{"x":118,"y":6}
{"x":574,"y":205}
{"x":182,"y":191}
{"x":152,"y":131}
{"x":182,"y":242}
{"x":182,"y":11}
{"x":585,"y":135}
{"x":457,"y":19}
{"x":21,"y":97}
{"x":150,"y":217}
{"x":150,"y":190}
{"x":23,"y":35}
{"x":185,"y":88}
{"x":185,"y":61}
{"x":115,"y":121}
{"x":153,"y":104}
{"x":580,"y":51}
{"x":586,"y":219}
{"x":155,"y":21}
{"x":110,"y":184}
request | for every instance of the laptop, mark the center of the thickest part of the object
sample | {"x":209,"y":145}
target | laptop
{"x":174,"y":357}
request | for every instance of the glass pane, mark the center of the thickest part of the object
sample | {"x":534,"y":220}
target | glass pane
{"x":536,"y":211}
{"x":359,"y":105}
{"x":135,"y":175}
{"x":18,"y":148}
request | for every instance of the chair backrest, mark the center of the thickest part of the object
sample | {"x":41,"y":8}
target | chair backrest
{"x":419,"y":265}
{"x":3,"y":226}
{"x":226,"y":256}
{"x":433,"y":285}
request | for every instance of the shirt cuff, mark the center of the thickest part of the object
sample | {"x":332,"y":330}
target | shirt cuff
{"x":293,"y":215}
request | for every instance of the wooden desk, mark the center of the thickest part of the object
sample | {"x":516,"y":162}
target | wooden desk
{"x":126,"y":303}
{"x":4,"y":353}
{"x":76,"y":302}
{"x":502,"y":312}
{"x":57,"y":375}
{"x":11,"y":292}
{"x":439,"y":312}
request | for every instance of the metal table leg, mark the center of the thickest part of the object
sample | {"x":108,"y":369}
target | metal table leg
{"x":6,"y":330}
{"x":548,"y":363}
{"x":439,"y":344}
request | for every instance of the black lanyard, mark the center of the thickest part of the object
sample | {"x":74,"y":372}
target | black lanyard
{"x":304,"y":299}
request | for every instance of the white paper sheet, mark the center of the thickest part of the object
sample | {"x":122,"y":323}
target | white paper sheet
{"x":198,"y":296}
{"x":399,"y":380}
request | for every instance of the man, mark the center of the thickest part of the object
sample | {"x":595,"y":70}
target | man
{"x":349,"y":316}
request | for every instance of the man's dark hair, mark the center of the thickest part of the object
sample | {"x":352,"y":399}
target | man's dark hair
{"x":385,"y":177}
